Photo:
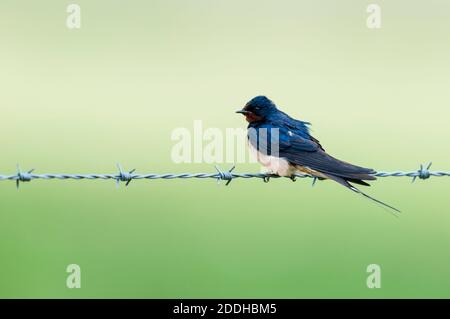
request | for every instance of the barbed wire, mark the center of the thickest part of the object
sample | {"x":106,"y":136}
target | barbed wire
{"x":127,"y":176}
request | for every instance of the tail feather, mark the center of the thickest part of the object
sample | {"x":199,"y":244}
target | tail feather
{"x":357,"y":181}
{"x":346,"y":183}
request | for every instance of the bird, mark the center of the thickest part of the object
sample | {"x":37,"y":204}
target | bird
{"x":285,"y":147}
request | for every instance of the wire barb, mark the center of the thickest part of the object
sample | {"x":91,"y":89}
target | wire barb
{"x":423,"y":173}
{"x":23,"y":176}
{"x":225,"y":176}
{"x":123,"y":176}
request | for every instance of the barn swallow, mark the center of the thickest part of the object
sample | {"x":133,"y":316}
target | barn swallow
{"x":297,"y":151}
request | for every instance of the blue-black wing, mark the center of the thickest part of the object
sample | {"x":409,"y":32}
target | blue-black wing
{"x":306,"y":152}
{"x":294,"y":151}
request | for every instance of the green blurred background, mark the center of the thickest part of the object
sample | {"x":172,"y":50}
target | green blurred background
{"x":78,"y":101}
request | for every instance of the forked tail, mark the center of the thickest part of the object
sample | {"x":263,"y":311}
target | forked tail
{"x":345,"y":183}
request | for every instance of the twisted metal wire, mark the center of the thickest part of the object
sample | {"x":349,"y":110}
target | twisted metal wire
{"x":123,"y":176}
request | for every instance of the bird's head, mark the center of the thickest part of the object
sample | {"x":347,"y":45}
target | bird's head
{"x":258,"y":109}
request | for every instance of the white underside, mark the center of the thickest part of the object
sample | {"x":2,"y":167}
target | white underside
{"x":273,"y":164}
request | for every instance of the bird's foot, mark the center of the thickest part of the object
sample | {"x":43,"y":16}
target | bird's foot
{"x":269,"y":173}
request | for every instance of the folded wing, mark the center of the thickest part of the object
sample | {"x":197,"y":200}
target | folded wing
{"x":303,"y":152}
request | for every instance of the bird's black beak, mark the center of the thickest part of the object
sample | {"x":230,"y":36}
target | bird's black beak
{"x":243,"y":112}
